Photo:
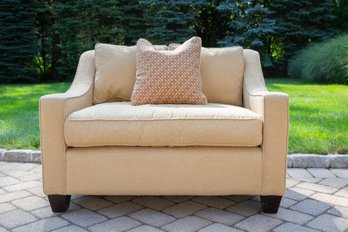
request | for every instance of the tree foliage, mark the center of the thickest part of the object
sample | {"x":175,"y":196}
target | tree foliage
{"x":42,"y":40}
{"x":300,"y":23}
{"x":250,"y":26}
{"x":341,"y":15}
{"x":79,"y":30}
{"x":17,"y":40}
{"x":169,"y":21}
{"x":210,"y":24}
{"x":48,"y":52}
{"x":132,"y":20}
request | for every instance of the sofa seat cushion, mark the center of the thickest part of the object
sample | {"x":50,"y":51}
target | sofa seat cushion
{"x":121,"y":124}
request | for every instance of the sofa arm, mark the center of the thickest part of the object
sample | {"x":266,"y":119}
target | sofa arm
{"x":54,"y":108}
{"x":273,"y":109}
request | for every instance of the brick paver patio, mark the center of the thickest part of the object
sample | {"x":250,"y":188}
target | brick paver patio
{"x":316,"y":200}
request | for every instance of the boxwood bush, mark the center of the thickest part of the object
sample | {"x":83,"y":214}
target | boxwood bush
{"x":324,"y":62}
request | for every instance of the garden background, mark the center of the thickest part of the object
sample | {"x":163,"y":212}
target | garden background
{"x":41,"y":41}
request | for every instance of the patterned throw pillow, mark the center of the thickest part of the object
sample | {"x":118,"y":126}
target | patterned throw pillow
{"x":168,"y":77}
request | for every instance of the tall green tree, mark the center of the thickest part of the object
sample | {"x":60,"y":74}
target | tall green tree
{"x":300,"y":23}
{"x":132,"y":20}
{"x":170,"y":21}
{"x":209,"y":23}
{"x":17,"y":41}
{"x":341,"y":15}
{"x":82,"y":23}
{"x":46,"y":57}
{"x":249,"y":26}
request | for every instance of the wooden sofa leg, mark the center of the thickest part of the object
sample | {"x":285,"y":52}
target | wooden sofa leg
{"x":270,"y":204}
{"x":59,"y":203}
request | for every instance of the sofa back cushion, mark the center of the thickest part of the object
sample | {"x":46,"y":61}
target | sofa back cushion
{"x":221,"y":72}
{"x":115,"y":72}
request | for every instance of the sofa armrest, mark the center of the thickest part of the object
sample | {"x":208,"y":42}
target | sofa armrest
{"x":54,"y":108}
{"x":273,"y":109}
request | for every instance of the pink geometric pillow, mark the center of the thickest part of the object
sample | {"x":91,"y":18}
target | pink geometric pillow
{"x":168,"y":77}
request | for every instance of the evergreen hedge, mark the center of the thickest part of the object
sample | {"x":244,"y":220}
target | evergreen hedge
{"x":324,"y":62}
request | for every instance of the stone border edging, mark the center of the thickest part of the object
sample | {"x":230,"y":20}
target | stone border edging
{"x":317,"y":161}
{"x":21,"y":155}
{"x":294,"y":160}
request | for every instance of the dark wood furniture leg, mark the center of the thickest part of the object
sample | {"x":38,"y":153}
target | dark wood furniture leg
{"x":270,"y":204}
{"x":59,"y":203}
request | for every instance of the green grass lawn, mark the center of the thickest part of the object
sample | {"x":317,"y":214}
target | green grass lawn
{"x":319,"y":115}
{"x":19,"y":117}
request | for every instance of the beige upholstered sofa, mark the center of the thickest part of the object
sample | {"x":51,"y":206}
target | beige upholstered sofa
{"x":95,"y":142}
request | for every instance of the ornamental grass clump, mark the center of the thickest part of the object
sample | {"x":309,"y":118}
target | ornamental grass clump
{"x":323,"y":62}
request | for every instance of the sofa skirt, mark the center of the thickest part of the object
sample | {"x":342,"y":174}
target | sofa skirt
{"x":164,"y":170}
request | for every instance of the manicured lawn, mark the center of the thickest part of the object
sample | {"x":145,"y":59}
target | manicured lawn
{"x":319,"y":115}
{"x":19,"y":117}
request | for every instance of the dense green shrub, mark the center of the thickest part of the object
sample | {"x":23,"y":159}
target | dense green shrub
{"x":324,"y":62}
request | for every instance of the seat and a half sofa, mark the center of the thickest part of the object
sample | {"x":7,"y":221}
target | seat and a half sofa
{"x":95,"y":142}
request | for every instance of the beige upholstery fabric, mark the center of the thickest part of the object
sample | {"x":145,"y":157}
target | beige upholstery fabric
{"x":273,"y":108}
{"x":164,"y":171}
{"x":168,"y":77}
{"x":53,"y":110}
{"x":222,"y":74}
{"x":121,"y":124}
{"x":115,"y":72}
